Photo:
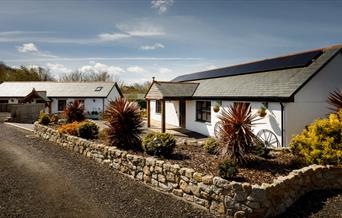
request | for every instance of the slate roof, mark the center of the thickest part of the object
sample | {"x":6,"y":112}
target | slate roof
{"x":57,"y":89}
{"x":276,"y":84}
{"x":160,"y":90}
{"x":269,"y":84}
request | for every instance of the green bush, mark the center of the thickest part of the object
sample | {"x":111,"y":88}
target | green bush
{"x":44,"y":118}
{"x":88,"y":130}
{"x":159,"y":144}
{"x":227,"y":169}
{"x":261,"y":150}
{"x":211,"y":146}
{"x":320,"y":142}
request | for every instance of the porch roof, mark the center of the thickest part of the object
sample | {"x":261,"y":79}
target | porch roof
{"x":160,"y":90}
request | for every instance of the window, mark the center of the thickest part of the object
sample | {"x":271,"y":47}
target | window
{"x":203,"y":111}
{"x":61,"y":105}
{"x":3,"y":101}
{"x":99,"y":88}
{"x":158,"y":106}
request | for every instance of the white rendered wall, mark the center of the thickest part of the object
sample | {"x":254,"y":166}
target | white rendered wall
{"x":171,"y":112}
{"x":272,"y":121}
{"x":310,"y":102}
{"x":113,"y":94}
{"x":90,"y":104}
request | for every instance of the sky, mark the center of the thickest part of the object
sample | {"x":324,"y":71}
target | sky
{"x":135,"y":40}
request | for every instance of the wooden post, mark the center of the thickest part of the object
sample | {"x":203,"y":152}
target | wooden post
{"x":162,"y":115}
{"x":148,"y":108}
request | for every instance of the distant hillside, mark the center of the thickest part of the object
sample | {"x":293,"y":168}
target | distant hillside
{"x":24,"y":74}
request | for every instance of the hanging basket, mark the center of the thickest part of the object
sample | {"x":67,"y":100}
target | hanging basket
{"x":262,"y":112}
{"x":216,"y":108}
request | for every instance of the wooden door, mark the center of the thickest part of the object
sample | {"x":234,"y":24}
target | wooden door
{"x":182,"y":113}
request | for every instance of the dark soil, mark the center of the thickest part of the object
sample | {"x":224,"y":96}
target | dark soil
{"x":257,"y":171}
{"x":41,"y":179}
{"x":324,"y":203}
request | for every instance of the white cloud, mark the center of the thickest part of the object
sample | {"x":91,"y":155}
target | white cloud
{"x":112,"y":36}
{"x":141,"y":28}
{"x":162,"y":5}
{"x":152,"y":47}
{"x":27,"y":48}
{"x":211,"y":67}
{"x":128,"y":30}
{"x":31,"y":48}
{"x":58,"y":68}
{"x":135,"y":69}
{"x":99,"y":68}
{"x":164,"y":71}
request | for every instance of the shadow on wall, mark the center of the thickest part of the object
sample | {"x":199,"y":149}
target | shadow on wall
{"x":274,"y":124}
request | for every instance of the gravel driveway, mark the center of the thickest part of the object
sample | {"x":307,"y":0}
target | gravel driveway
{"x":41,"y":179}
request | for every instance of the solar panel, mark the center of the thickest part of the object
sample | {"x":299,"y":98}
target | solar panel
{"x":286,"y":62}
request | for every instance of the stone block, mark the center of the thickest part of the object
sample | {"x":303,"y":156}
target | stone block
{"x":188,"y":197}
{"x":208,"y":179}
{"x":197,"y":177}
{"x":177,"y":192}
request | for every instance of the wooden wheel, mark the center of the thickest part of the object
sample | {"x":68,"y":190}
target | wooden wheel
{"x":268,"y":138}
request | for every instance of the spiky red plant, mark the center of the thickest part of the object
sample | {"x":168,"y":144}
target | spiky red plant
{"x":74,"y":111}
{"x":125,"y":124}
{"x":235,"y":132}
{"x":335,"y":100}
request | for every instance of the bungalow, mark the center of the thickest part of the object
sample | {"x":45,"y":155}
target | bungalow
{"x":291,"y":89}
{"x":56,"y":95}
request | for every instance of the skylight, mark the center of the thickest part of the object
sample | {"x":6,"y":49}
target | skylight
{"x":99,"y":88}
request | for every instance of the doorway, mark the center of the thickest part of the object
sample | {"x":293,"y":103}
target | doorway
{"x":182,"y":114}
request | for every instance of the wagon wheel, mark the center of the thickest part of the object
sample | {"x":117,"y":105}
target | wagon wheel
{"x":268,"y":138}
{"x":217,"y":129}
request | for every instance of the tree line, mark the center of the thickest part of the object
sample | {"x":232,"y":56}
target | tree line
{"x":24,"y":73}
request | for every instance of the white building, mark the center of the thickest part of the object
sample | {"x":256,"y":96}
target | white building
{"x":94,"y":95}
{"x":293,"y":88}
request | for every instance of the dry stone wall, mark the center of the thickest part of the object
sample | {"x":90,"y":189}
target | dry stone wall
{"x":217,"y":195}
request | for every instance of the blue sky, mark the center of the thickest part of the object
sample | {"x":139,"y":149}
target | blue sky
{"x":135,"y":40}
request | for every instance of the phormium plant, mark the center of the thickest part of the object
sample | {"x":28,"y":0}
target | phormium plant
{"x":125,"y":124}
{"x":235,"y":132}
{"x":335,"y":100}
{"x":74,"y":111}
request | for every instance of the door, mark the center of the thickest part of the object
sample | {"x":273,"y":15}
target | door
{"x":182,"y":113}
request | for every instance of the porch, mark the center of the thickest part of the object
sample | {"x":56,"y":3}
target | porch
{"x":162,"y":92}
{"x":179,"y":132}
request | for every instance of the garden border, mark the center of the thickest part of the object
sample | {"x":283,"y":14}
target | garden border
{"x":217,"y":195}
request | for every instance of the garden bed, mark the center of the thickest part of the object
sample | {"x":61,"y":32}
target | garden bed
{"x":258,"y":171}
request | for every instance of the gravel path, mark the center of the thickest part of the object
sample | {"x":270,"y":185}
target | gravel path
{"x":323,"y":203}
{"x":40,"y":179}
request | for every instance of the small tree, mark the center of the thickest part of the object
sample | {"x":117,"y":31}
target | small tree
{"x":235,"y":133}
{"x":74,"y":111}
{"x":125,"y":124}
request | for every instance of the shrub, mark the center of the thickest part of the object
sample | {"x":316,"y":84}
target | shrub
{"x":44,"y":118}
{"x":54,"y":118}
{"x":320,"y":142}
{"x":74,"y":111}
{"x":88,"y":130}
{"x":70,"y":128}
{"x":103,"y":134}
{"x":211,"y":146}
{"x":261,"y":150}
{"x":159,"y":144}
{"x":125,"y":124}
{"x":227,"y":169}
{"x":235,"y":132}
